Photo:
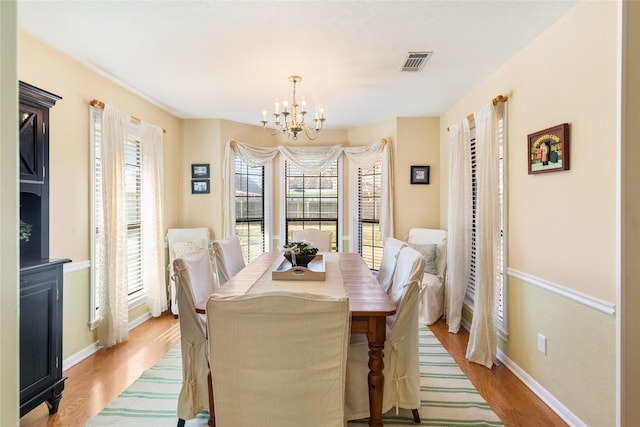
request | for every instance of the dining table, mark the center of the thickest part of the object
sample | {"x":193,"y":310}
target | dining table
{"x":345,"y":274}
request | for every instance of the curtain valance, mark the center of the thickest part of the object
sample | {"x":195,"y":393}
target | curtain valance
{"x":312,"y":160}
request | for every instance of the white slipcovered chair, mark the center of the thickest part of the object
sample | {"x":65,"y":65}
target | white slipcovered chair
{"x":401,"y":360}
{"x":320,"y":238}
{"x":278,"y":359}
{"x":432,"y":243}
{"x":195,"y":283}
{"x":179,"y":241}
{"x":228,"y":258}
{"x":390,"y":251}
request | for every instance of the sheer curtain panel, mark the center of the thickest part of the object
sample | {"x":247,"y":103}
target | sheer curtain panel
{"x":113,"y":311}
{"x":459,"y":220}
{"x":483,"y":335}
{"x":152,"y":224}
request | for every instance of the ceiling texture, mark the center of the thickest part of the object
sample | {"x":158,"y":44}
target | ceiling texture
{"x":231,"y":59}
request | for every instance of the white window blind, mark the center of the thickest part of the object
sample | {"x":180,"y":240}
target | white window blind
{"x":250,"y":209}
{"x":312,"y":200}
{"x":369,"y":199}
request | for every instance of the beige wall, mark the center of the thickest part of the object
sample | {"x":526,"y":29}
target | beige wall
{"x":50,"y":70}
{"x":414,"y":141}
{"x":561,"y":225}
{"x":9,"y":372}
{"x":417,"y":144}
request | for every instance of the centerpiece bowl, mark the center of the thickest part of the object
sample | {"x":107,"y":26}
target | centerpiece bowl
{"x":300,"y":254}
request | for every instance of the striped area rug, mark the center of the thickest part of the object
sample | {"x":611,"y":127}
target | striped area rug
{"x":448,"y":397}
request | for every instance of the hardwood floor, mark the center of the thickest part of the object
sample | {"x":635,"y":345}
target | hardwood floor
{"x":97,"y":380}
{"x":93,"y":383}
{"x":509,"y":398}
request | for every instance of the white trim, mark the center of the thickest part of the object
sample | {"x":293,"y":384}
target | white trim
{"x":586,"y":300}
{"x":553,"y":403}
{"x":79,"y":356}
{"x":70,"y":267}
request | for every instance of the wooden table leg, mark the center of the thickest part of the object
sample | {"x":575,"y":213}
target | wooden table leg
{"x":376,"y":337}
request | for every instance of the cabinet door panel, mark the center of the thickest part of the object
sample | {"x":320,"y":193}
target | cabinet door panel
{"x":31,"y":144}
{"x":38,"y":321}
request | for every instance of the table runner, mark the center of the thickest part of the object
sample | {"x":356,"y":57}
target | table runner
{"x":333,"y":285}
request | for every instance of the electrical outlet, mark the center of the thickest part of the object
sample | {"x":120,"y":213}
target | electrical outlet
{"x":542,"y":344}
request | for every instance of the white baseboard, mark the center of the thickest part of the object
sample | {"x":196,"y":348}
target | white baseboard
{"x":553,"y":403}
{"x":79,"y":356}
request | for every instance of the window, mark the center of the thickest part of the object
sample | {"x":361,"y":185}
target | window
{"x":132,"y":186}
{"x":501,"y":250}
{"x":311,"y":200}
{"x":369,"y":242}
{"x":250,"y":209}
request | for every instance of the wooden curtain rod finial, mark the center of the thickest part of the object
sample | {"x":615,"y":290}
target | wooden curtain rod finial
{"x":383,"y":142}
{"x":96,"y":103}
{"x":498,"y":99}
{"x":100,"y":104}
{"x":232,"y":143}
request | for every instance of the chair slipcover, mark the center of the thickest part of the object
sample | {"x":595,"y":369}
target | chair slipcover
{"x":321,"y":239}
{"x":390,"y":252}
{"x":278,"y":359}
{"x":181,"y":241}
{"x":432,"y":297}
{"x":229,"y":258}
{"x":195,"y":283}
{"x":401,"y":363}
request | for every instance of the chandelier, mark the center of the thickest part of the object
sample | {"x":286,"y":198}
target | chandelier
{"x":292,"y":121}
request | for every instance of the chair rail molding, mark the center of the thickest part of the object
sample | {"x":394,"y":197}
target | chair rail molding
{"x":579,"y":297}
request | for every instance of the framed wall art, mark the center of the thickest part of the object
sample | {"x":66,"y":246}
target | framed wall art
{"x":200,"y":186}
{"x":200,"y":171}
{"x":549,"y":150}
{"x":420,"y":174}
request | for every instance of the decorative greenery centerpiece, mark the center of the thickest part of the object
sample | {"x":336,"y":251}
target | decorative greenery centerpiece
{"x":300,"y":253}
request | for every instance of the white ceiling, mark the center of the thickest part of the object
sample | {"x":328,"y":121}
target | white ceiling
{"x":231,"y":59}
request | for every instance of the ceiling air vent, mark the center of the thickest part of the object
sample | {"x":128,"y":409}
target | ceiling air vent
{"x":415,"y":61}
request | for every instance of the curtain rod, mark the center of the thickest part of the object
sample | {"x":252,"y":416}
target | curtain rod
{"x":232,"y":142}
{"x":100,"y":104}
{"x":496,"y":100}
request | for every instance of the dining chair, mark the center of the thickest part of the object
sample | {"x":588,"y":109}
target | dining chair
{"x":390,"y":251}
{"x":195,"y":282}
{"x":180,"y":241}
{"x":278,"y":359}
{"x":320,"y":238}
{"x":401,"y":360}
{"x":432,"y":243}
{"x":228,"y":258}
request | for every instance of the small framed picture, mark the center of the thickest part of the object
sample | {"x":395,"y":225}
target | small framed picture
{"x":200,"y":186}
{"x":419,"y":174}
{"x":200,"y":171}
{"x":549,"y":150}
